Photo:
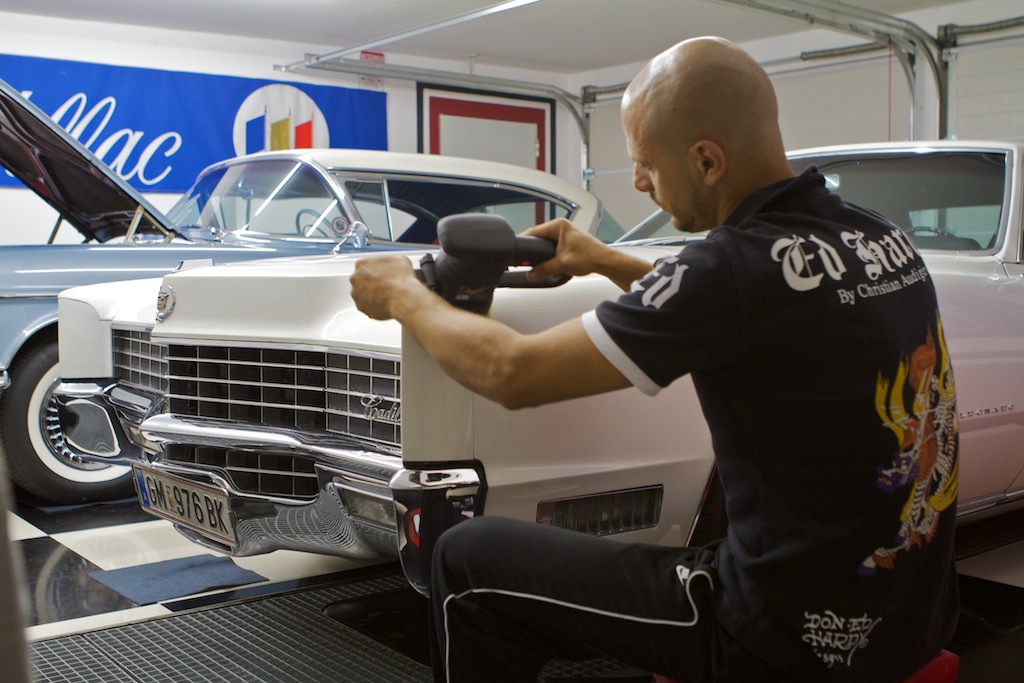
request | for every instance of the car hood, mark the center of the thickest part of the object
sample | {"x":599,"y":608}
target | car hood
{"x":82,"y":188}
{"x":303,"y":300}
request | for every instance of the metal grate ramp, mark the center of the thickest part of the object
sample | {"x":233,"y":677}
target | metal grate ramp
{"x":277,"y":639}
{"x":280,"y":639}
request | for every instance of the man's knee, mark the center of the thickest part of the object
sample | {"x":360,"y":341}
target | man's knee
{"x":474,"y":546}
{"x":448,"y":572}
{"x":462,"y":539}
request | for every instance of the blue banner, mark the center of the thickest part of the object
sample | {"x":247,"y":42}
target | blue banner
{"x":159,"y":129}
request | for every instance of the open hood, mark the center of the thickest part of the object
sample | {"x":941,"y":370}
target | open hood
{"x":83,"y":189}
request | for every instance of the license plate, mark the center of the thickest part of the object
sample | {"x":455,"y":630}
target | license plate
{"x":197,"y":506}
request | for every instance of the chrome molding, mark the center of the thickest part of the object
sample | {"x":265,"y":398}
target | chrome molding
{"x":427,"y":503}
{"x":434,"y":479}
{"x":100,"y":411}
{"x":172,"y":429}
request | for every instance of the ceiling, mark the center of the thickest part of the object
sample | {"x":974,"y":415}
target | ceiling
{"x":559,"y":36}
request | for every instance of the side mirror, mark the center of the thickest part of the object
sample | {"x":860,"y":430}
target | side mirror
{"x":356,"y":237}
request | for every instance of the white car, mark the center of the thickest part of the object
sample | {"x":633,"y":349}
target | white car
{"x":275,"y":415}
{"x":280,"y":203}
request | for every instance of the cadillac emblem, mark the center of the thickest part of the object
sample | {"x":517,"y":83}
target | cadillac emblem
{"x":380,"y":409}
{"x":164,"y":302}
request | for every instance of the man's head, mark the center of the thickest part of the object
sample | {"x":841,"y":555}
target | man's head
{"x":701,"y":123}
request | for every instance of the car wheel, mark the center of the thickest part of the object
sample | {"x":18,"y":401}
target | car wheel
{"x":38,"y":460}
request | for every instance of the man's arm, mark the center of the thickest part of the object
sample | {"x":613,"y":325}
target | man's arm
{"x":580,"y":253}
{"x":484,"y":355}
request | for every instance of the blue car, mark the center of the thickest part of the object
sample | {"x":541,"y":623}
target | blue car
{"x":282,"y":203}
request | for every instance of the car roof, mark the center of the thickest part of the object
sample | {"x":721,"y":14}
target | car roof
{"x":58,"y":168}
{"x":910,"y":145}
{"x":408,"y":163}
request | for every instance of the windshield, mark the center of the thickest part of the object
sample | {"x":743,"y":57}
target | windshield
{"x":285,"y":198}
{"x":951,"y":201}
{"x":279,"y":197}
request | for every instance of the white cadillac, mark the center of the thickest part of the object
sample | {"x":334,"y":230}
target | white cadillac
{"x":261,"y":410}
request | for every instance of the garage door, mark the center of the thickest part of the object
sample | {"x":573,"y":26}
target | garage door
{"x":986,"y":87}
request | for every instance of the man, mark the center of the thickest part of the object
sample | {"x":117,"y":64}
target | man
{"x":834,"y":425}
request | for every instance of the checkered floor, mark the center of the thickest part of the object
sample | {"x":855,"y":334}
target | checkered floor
{"x":64,"y":548}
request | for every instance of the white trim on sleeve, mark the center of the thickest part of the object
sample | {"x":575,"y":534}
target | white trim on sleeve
{"x":616,"y":356}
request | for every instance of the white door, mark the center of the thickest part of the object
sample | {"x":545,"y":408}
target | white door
{"x":479,"y":126}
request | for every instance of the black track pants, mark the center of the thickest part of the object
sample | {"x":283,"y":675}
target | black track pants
{"x":508,"y":596}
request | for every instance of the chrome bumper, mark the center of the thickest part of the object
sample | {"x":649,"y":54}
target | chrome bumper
{"x":263,"y":524}
{"x":100,"y":420}
{"x":427,"y":503}
{"x":367,"y":504}
{"x":5,"y":380}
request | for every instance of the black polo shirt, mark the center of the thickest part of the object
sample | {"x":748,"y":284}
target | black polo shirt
{"x":812,"y":333}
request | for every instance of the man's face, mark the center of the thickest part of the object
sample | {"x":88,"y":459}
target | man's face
{"x":663,"y":170}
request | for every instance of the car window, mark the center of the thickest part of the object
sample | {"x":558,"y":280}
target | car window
{"x":282,"y":198}
{"x":950,"y":201}
{"x":415,"y":205}
{"x":658,"y":229}
{"x":658,"y":224}
{"x":975,"y":223}
{"x":370,"y":200}
{"x":609,"y":229}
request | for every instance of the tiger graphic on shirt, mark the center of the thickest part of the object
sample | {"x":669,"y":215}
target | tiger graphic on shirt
{"x":918,"y":405}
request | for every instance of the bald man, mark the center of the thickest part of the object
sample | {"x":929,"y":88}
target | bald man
{"x":833,"y":418}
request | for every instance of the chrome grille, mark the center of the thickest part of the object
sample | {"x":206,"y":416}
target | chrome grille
{"x":138,"y":361}
{"x":326,"y":391}
{"x":272,"y":474}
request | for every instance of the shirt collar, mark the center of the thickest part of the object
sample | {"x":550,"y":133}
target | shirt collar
{"x":799,"y":188}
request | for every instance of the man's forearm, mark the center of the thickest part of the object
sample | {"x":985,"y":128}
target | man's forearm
{"x":501,"y":364}
{"x":484,"y":355}
{"x":581,"y":253}
{"x":470,"y":348}
{"x":623,"y":269}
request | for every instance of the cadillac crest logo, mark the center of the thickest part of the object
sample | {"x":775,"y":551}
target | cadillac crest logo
{"x":164,"y":302}
{"x":279,"y":116}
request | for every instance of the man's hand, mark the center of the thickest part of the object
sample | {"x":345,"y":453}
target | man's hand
{"x":482,"y":354}
{"x":381,"y":283}
{"x":580,"y":253}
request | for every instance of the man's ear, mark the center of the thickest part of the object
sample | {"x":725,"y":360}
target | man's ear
{"x":708,"y":159}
